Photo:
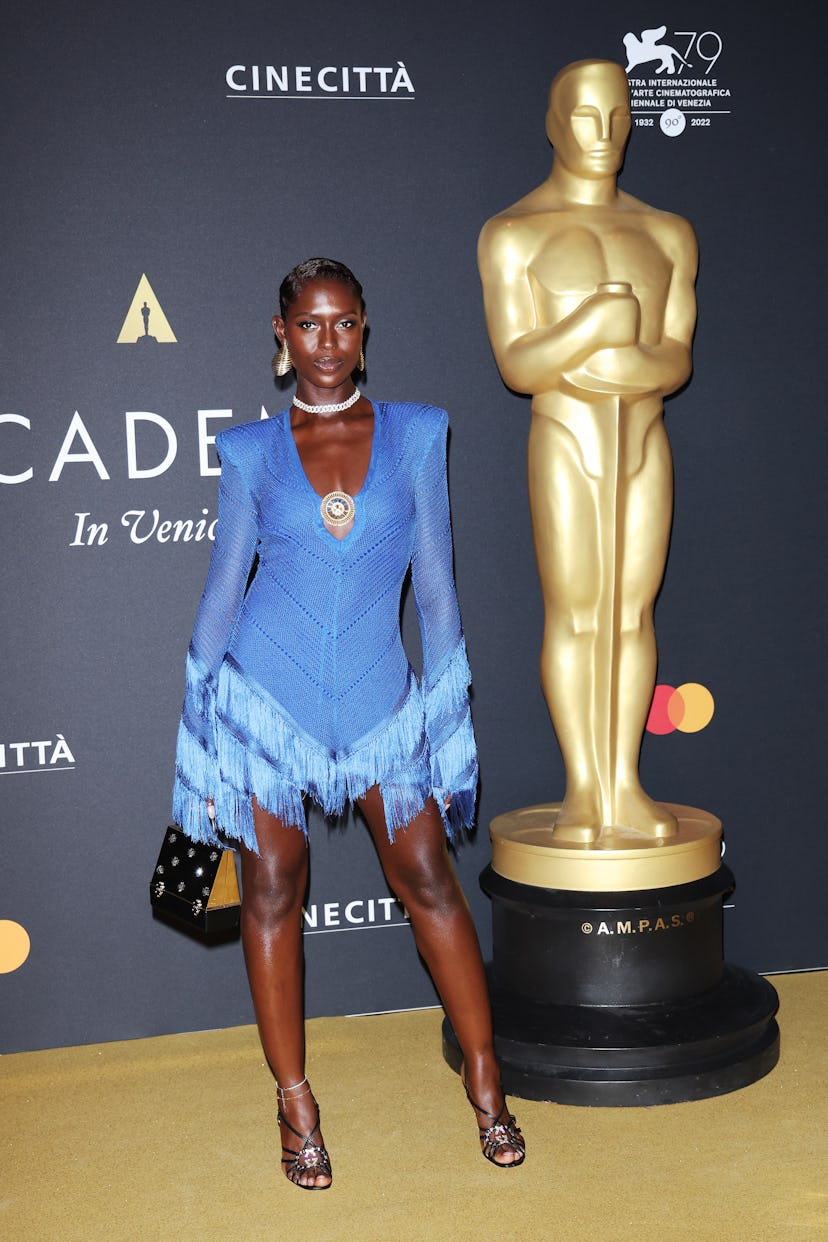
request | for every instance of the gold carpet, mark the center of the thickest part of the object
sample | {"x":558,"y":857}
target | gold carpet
{"x":175,"y":1138}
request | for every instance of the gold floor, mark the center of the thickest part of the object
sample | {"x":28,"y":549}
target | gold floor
{"x":175,"y":1138}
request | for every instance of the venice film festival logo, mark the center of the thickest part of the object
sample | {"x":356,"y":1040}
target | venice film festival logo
{"x":679,"y":89}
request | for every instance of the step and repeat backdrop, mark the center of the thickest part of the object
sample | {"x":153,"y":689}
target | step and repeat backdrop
{"x":162,"y":172}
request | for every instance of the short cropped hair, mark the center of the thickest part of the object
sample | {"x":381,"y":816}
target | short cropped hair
{"x":311,"y":270}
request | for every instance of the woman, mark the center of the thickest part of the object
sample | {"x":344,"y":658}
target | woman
{"x":298,"y":686}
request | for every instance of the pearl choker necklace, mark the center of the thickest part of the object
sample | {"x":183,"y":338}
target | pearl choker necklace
{"x":331,"y":408}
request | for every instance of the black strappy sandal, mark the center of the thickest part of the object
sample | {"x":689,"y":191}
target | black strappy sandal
{"x":499,"y":1134}
{"x":310,"y":1158}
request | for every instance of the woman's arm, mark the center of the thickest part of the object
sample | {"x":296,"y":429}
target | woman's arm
{"x":446,"y":673}
{"x":232,"y":558}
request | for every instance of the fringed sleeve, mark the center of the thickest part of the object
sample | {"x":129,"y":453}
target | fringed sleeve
{"x":446,"y":675}
{"x":196,"y":767}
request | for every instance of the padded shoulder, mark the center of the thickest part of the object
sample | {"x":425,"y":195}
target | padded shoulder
{"x":243,"y":445}
{"x":429,"y":417}
{"x":418,"y":424}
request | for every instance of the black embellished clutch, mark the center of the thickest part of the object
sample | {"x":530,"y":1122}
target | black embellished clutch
{"x":195,"y":884}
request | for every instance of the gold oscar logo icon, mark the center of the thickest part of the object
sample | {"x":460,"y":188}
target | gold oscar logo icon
{"x":145,"y":323}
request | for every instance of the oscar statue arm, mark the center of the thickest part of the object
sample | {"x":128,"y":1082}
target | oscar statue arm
{"x":662,"y":365}
{"x":670,"y":362}
{"x":533,"y":358}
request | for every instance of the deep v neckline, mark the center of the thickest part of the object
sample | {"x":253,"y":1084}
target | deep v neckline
{"x":357,"y":496}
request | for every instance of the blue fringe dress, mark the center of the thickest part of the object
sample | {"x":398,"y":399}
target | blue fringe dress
{"x":297,"y":681}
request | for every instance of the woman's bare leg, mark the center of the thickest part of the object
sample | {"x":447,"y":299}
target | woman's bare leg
{"x":273,"y":889}
{"x":418,"y":869}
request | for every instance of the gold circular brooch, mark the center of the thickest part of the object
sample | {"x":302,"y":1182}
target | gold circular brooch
{"x":337,"y":508}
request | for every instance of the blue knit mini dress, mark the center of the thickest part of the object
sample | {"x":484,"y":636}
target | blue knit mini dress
{"x":297,"y":680}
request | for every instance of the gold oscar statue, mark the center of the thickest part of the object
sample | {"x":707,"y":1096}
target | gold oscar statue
{"x":590,"y":307}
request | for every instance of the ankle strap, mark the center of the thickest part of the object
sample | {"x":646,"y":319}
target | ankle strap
{"x":303,"y":1082}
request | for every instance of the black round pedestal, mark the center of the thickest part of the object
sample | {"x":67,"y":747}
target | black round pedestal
{"x":621,"y":998}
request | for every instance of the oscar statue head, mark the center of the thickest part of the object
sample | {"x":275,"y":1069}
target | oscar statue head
{"x":588,"y":119}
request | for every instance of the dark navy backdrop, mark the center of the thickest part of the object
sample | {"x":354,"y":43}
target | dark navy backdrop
{"x":124,"y":156}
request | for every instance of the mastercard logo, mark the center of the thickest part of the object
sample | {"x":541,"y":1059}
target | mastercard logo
{"x":688,"y":708}
{"x":14,"y":946}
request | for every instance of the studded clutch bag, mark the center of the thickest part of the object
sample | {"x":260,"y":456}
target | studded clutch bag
{"x":195,"y":884}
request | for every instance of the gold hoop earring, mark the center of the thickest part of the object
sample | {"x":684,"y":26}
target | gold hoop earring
{"x":361,"y":363}
{"x":282,"y":363}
